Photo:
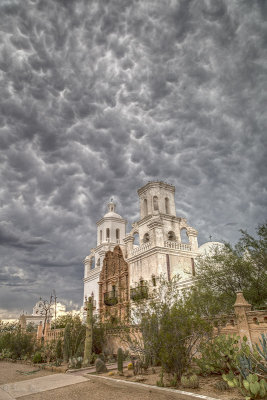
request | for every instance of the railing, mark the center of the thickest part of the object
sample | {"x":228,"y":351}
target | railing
{"x":110,"y":298}
{"x":168,"y":243}
{"x":177,"y":246}
{"x":139,"y":293}
{"x":141,"y":249}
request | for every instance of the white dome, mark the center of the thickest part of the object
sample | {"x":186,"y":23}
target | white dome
{"x":112,"y":214}
{"x":207,"y":248}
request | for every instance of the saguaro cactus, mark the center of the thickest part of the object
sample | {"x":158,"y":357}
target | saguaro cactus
{"x":89,"y":332}
{"x":120,"y":360}
{"x":66,"y":345}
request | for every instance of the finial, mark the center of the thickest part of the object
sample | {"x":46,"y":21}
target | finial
{"x":111,"y":205}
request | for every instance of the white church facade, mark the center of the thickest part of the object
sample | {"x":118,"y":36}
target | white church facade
{"x":162,"y":249}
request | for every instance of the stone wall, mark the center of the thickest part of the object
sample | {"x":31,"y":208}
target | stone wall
{"x":49,"y":334}
{"x":243,"y":321}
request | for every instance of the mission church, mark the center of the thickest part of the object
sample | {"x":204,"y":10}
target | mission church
{"x":118,"y":270}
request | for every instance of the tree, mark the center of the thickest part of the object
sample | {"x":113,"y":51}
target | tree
{"x":166,"y":328}
{"x":230,"y":269}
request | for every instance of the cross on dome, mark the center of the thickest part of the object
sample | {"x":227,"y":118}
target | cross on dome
{"x":111,"y":206}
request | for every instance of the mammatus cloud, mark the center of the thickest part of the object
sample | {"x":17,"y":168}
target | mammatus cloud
{"x":98,"y":98}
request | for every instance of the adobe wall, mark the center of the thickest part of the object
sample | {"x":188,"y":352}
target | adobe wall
{"x":242,"y":322}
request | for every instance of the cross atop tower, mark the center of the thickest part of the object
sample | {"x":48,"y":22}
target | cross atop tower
{"x":111,"y":206}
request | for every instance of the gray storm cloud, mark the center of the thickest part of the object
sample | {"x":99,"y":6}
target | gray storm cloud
{"x":99,"y":97}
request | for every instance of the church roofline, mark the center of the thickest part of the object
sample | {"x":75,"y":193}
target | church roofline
{"x":155,"y":184}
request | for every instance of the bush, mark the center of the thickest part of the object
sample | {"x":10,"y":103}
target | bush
{"x":190,"y":381}
{"x":37,"y":358}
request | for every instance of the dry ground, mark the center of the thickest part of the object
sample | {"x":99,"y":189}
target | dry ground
{"x":206,"y":384}
{"x":96,"y":389}
{"x":9,"y":372}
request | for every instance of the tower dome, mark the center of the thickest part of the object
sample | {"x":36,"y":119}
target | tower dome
{"x":111,"y":210}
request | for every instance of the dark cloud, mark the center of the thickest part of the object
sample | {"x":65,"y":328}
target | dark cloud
{"x":99,"y":97}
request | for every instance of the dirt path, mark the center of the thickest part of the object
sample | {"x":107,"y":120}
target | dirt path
{"x":9,"y":372}
{"x":101,"y":390}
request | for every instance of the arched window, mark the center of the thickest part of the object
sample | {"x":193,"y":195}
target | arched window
{"x":107,"y":234}
{"x":101,"y":236}
{"x":167,"y":205}
{"x":98,"y":262}
{"x":171,"y":236}
{"x":146,"y":238}
{"x":145,"y":208}
{"x":155,"y":203}
{"x":154,"y":283}
{"x":117,"y":235}
{"x":184,"y":237}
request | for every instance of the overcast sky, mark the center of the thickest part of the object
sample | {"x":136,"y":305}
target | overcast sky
{"x":99,"y":97}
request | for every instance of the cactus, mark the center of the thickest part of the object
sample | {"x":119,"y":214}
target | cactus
{"x":191,"y":381}
{"x":251,"y":387}
{"x":245,"y":366}
{"x":67,"y":344}
{"x":120,"y":360}
{"x":262,"y":365}
{"x":89,"y":333}
{"x":221,"y":386}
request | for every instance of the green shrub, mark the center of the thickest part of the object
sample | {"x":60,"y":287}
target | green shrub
{"x":120,"y":360}
{"x":37,"y":358}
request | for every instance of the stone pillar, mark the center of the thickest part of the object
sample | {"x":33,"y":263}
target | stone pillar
{"x":241,"y":307}
{"x":192,"y":236}
{"x":128,"y":240}
{"x":87,"y":262}
{"x":156,"y":232}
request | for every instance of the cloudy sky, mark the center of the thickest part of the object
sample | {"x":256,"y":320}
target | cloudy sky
{"x":99,"y":97}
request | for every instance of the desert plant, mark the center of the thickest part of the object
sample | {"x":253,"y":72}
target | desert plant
{"x":67,"y":344}
{"x":37,"y":358}
{"x":219,"y":355}
{"x":190,"y":381}
{"x":120,"y":360}
{"x":59,"y":353}
{"x":221,"y":386}
{"x":160,"y":382}
{"x":252,"y":387}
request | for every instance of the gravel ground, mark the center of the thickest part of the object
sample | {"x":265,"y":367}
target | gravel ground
{"x":100,"y":390}
{"x":8,"y":372}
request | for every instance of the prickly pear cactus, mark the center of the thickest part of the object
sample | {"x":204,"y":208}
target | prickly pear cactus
{"x":120,"y":359}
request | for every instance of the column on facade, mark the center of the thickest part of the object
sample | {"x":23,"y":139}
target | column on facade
{"x":128,"y":240}
{"x":192,"y":236}
{"x":156,"y":232}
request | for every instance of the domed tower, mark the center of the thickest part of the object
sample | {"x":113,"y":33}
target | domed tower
{"x":112,"y":227}
{"x":111,"y":230}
